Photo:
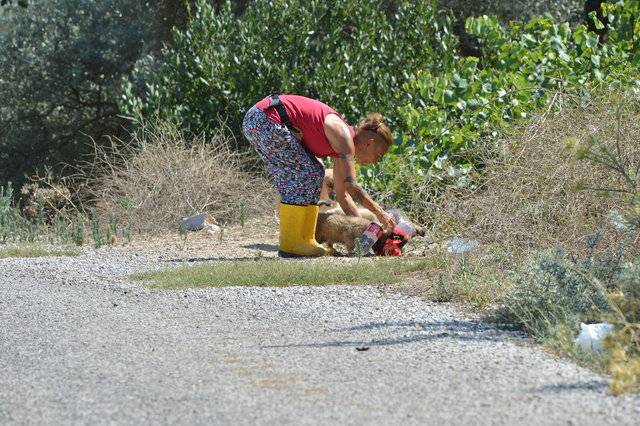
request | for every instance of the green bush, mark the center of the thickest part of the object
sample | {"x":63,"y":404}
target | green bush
{"x":58,"y":81}
{"x":353,"y":54}
{"x":553,"y":294}
{"x":516,"y":10}
{"x":473,"y":100}
{"x":553,"y":289}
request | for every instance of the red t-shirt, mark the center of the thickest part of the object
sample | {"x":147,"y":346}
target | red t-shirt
{"x":307,"y":115}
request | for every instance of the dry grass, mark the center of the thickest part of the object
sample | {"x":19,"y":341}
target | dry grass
{"x":158,"y":177}
{"x":528,"y":199}
{"x":32,"y":250}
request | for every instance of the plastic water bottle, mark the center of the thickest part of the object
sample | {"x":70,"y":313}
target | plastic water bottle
{"x":369,"y":237}
{"x":403,"y":225}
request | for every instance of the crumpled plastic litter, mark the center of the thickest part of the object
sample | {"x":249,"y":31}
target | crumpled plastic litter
{"x":198,"y":222}
{"x":592,"y":336}
{"x":461,"y":245}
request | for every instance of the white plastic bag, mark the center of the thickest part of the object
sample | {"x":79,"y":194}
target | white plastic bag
{"x":592,"y":336}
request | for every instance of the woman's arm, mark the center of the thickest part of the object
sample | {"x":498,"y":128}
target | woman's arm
{"x":348,"y":192}
{"x":341,"y":170}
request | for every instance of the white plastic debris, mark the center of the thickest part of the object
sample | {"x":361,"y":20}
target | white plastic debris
{"x":461,"y":245}
{"x":618,"y":221}
{"x":195,"y":222}
{"x":211,"y":228}
{"x":592,"y":336}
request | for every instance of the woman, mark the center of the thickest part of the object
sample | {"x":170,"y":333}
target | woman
{"x":289,"y":132}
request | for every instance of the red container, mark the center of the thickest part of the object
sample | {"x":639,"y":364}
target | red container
{"x":392,"y":247}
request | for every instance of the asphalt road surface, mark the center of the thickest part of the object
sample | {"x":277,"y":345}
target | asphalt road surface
{"x":82,"y":344}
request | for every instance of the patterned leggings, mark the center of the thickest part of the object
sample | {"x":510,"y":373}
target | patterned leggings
{"x":296,"y":172}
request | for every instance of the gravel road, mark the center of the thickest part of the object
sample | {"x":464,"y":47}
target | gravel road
{"x":80,"y":343}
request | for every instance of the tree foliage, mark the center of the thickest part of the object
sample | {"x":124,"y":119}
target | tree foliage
{"x":60,"y":69}
{"x":22,"y":3}
{"x":61,"y":65}
{"x":515,"y":10}
{"x":353,"y":55}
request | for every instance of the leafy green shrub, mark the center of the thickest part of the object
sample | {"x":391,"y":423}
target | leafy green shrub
{"x":352,"y":54}
{"x":516,"y":10}
{"x":58,"y":82}
{"x":553,"y":289}
{"x":523,"y":68}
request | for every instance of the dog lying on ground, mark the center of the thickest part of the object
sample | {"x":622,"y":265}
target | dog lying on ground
{"x":335,"y":227}
{"x":338,"y":228}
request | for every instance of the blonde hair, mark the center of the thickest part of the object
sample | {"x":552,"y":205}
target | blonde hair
{"x":375,"y":123}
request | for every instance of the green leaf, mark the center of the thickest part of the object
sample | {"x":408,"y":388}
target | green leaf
{"x":598,"y":74}
{"x":564,"y":56}
{"x":592,"y":41}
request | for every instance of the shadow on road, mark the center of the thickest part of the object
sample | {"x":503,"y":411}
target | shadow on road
{"x":594,"y":385}
{"x":263,"y":247}
{"x":411,"y":332}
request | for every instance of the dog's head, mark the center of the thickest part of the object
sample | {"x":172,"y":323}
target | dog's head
{"x":328,"y":189}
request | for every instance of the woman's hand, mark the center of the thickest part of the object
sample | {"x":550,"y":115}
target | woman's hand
{"x":387,"y":220}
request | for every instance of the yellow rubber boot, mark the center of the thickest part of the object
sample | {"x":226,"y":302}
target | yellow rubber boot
{"x":297,"y":231}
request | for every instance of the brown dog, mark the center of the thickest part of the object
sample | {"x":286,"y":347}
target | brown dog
{"x":337,"y":228}
{"x":327,"y":201}
{"x":327,"y":192}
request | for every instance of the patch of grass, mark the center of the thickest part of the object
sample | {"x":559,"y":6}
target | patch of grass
{"x":282,"y":273}
{"x":471,"y":278}
{"x":37,"y":251}
{"x":479,"y":291}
